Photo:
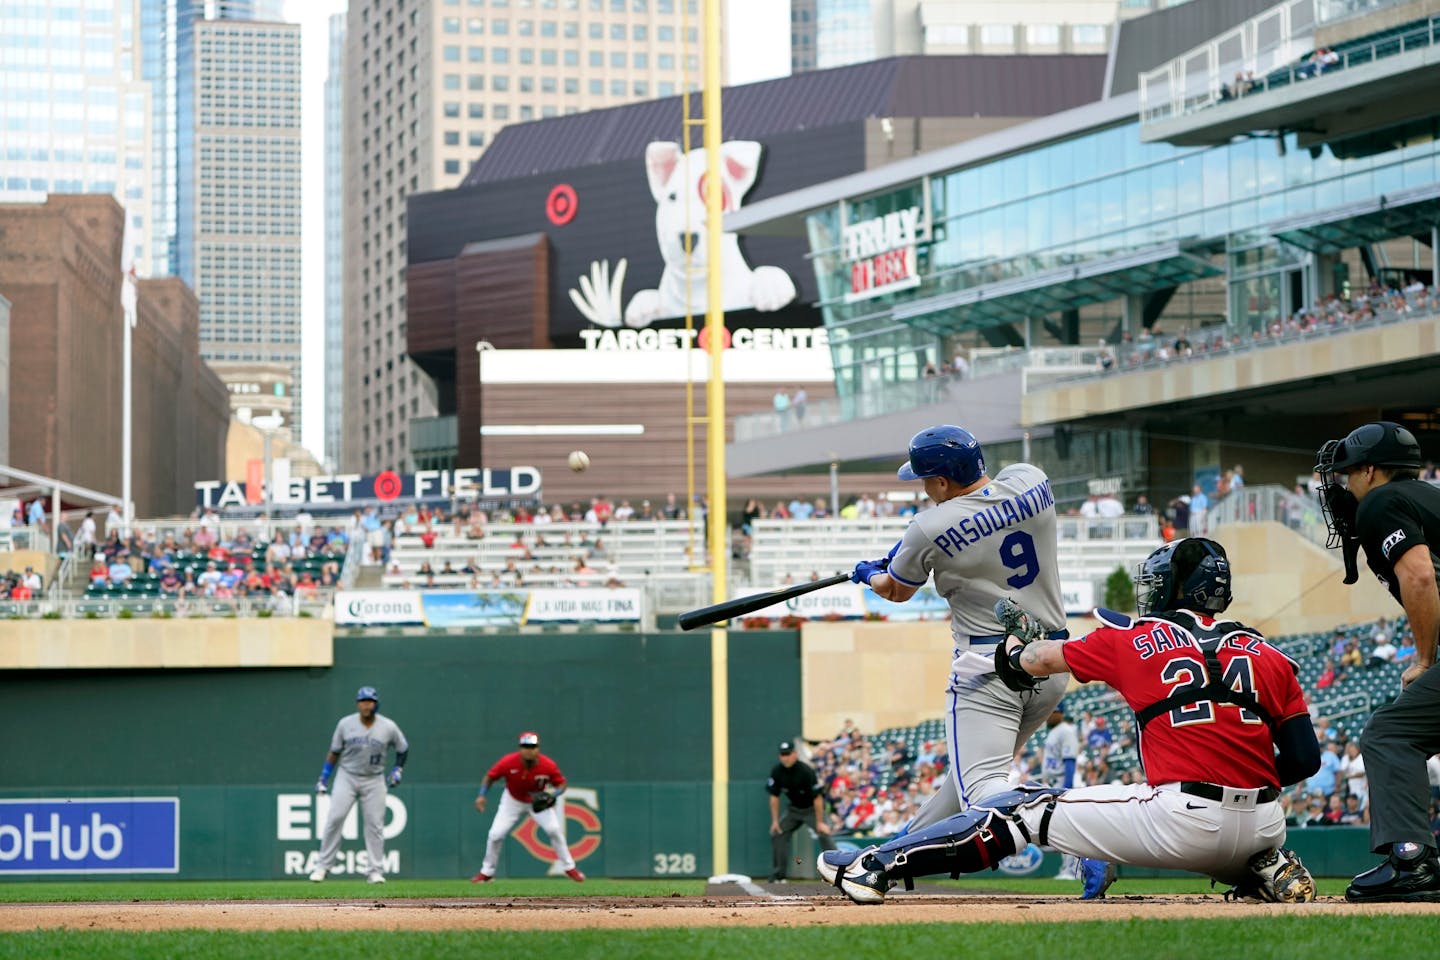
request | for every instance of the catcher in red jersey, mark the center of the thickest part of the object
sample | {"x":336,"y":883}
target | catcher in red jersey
{"x":533,"y":785}
{"x":1222,"y":727}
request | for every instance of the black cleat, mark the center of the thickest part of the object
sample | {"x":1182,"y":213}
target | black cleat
{"x":1398,"y":881}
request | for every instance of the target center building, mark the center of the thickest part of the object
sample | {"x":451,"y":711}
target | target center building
{"x":547,"y":296}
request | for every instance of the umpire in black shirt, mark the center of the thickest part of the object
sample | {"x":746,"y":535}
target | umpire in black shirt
{"x":1384,"y":509}
{"x":805,"y":806}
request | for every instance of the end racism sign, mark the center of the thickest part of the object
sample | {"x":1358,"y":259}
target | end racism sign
{"x":466,"y":484}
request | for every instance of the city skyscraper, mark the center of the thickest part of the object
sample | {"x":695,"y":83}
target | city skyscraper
{"x":244,"y":162}
{"x":832,"y":33}
{"x":334,"y":248}
{"x":427,"y":84}
{"x":75,"y":110}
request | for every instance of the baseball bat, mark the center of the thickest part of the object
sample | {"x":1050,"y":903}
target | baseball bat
{"x":740,"y":606}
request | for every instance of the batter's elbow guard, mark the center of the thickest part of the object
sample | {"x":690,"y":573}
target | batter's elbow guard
{"x":400,"y":756}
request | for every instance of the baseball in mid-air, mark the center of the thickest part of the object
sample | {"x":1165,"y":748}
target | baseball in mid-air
{"x":579,"y":460}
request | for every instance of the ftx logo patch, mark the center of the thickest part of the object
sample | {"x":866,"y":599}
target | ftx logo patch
{"x":1390,"y":541}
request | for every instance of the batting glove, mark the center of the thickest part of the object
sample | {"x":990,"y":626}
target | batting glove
{"x":320,"y":787}
{"x":866,"y":569}
{"x":394,"y":778}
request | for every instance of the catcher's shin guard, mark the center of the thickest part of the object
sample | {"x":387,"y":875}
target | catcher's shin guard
{"x":968,"y":842}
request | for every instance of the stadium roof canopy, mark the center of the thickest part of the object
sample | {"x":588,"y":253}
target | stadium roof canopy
{"x":912,"y":86}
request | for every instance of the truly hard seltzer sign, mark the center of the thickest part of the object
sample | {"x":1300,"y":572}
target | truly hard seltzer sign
{"x":882,"y":255}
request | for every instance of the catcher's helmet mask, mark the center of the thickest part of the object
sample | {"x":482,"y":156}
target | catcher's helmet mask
{"x":1192,"y":573}
{"x":944,"y":451}
{"x":1383,"y":444}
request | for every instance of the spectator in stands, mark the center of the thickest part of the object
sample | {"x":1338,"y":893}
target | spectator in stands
{"x":1382,"y":654}
{"x":1430,"y":472}
{"x":1353,"y":814}
{"x":120,"y":572}
{"x":1109,"y":506}
{"x":1352,"y":770}
{"x":1100,"y":738}
{"x":1142,"y":507}
{"x":801,"y":509}
{"x":114,"y":522}
{"x":797,"y":405}
{"x":1237,"y":477}
{"x":778,"y":512}
{"x":753,"y":511}
{"x":99,"y":571}
{"x":1199,"y":505}
{"x":35,"y":515}
{"x":781,"y":403}
{"x":1327,"y":676}
{"x":1323,"y":780}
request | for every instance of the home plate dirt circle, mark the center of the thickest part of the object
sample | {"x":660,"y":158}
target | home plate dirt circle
{"x":573,"y":913}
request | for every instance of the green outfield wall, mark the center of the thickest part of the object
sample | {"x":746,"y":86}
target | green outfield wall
{"x":626,"y":715}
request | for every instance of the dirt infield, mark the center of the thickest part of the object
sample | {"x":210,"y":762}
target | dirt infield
{"x":571,"y":913}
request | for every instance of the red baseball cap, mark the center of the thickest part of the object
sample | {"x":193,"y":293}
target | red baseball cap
{"x":529,"y":739}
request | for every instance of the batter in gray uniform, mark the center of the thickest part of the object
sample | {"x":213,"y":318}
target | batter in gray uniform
{"x":986,"y":538}
{"x":360,"y":743}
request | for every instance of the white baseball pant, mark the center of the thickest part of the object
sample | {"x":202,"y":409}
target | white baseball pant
{"x":552,"y":821}
{"x":985,"y":723}
{"x":371,"y":792}
{"x":1158,"y":826}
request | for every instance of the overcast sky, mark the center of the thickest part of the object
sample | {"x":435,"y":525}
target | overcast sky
{"x":764,"y":54}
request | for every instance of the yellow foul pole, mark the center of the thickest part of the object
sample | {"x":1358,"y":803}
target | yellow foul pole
{"x":719,"y":539}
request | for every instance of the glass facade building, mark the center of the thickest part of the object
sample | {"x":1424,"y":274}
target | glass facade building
{"x":334,"y":242}
{"x":75,"y":109}
{"x":1096,"y":216}
{"x":246,"y":223}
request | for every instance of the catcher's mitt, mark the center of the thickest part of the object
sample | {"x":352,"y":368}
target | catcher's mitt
{"x":542,"y":800}
{"x":1015,"y":622}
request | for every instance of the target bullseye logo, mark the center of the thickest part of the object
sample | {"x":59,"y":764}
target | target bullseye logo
{"x":387,"y":485}
{"x":703,"y":341}
{"x":561,"y":205}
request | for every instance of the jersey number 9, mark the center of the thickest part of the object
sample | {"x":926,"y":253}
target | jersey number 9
{"x":1017,"y":552}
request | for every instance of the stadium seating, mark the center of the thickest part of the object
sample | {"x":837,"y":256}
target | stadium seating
{"x":629,"y":551}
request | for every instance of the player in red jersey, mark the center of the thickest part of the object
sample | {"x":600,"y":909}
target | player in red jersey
{"x":1223,"y":726}
{"x":533,"y":785}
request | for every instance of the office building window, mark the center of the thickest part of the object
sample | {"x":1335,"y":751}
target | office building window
{"x":1042,"y":34}
{"x":997,"y":35}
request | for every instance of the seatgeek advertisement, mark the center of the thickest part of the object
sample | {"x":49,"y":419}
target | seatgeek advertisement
{"x":90,"y":835}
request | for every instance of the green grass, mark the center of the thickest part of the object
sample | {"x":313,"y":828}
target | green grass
{"x":301,"y":889}
{"x":1259,"y":938}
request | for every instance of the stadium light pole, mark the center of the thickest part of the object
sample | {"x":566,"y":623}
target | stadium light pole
{"x":715,"y":444}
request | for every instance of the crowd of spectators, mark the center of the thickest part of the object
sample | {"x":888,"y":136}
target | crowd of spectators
{"x":200,"y":562}
{"x":1331,"y":313}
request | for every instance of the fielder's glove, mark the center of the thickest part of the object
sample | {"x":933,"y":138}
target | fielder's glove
{"x":320,"y":786}
{"x":542,"y":800}
{"x":394,"y":779}
{"x":1015,"y":622}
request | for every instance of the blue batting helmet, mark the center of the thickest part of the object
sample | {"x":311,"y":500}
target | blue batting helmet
{"x":367,"y":693}
{"x":1191,"y":573}
{"x":944,"y":451}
